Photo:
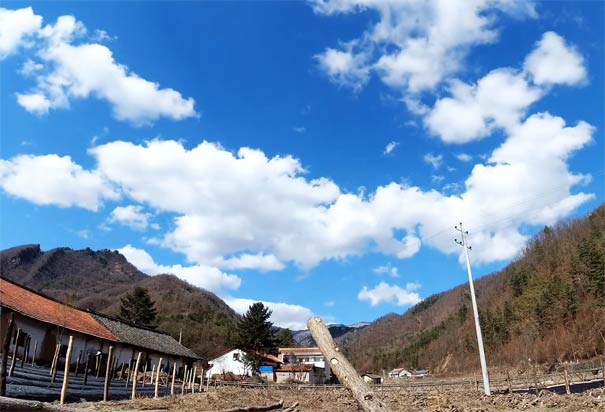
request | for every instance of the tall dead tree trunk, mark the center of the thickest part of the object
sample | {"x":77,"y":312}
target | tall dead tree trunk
{"x":347,"y":375}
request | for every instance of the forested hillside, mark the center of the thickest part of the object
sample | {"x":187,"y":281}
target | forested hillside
{"x":98,"y":279}
{"x":548,"y":306}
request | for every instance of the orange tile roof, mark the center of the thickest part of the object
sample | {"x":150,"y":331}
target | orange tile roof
{"x":296,"y":368}
{"x":36,"y":306}
{"x":300,"y":351}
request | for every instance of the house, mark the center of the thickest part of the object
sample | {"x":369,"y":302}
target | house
{"x":231,"y":364}
{"x":307,"y":356}
{"x":372,"y":378}
{"x":420,"y":373}
{"x":399,"y":373}
{"x":45,"y":322}
{"x":306,"y":373}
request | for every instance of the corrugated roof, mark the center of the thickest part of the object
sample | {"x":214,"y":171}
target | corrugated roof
{"x":36,"y":306}
{"x":145,"y":338}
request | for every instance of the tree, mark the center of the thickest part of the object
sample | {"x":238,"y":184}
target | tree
{"x":285,"y":339}
{"x":255,"y":335}
{"x":138,"y":308}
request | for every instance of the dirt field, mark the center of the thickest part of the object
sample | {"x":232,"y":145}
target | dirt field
{"x":341,"y":401}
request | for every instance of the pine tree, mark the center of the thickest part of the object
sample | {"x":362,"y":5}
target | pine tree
{"x":138,"y":308}
{"x":285,"y":339}
{"x":255,"y":335}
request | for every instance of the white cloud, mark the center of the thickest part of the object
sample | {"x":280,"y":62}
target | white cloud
{"x":299,"y":129}
{"x":434,"y":160}
{"x":392,"y":271}
{"x":68,"y":71}
{"x":344,"y":68}
{"x":207,"y":277}
{"x":393,"y":294}
{"x":259,"y":261}
{"x":415,"y":44}
{"x":284,"y":315}
{"x":16,"y":29}
{"x":553,"y":62}
{"x":391,"y":146}
{"x":35,"y":103}
{"x":499,"y":99}
{"x":230,"y":207}
{"x":133,"y":217}
{"x":54,"y":180}
{"x":464,"y":157}
{"x":30,"y":67}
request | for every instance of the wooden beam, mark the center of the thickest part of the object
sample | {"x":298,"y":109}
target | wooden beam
{"x":66,"y":370}
{"x":107,"y":375}
{"x":173,"y":377}
{"x":347,"y":375}
{"x":5,"y":348}
{"x":134,"y":377}
{"x":157,"y":379}
{"x":14,"y":359}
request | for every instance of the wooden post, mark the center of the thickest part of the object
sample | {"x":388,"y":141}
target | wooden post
{"x":10,"y":371}
{"x":535,"y":378}
{"x":201,"y":389}
{"x":157,"y":378}
{"x":34,"y":352}
{"x":193,"y":379}
{"x":208,"y":383}
{"x":510,"y":385}
{"x":55,"y":364}
{"x":134,"y":377}
{"x":184,"y":379}
{"x":86,"y":368}
{"x":66,"y":370}
{"x":567,"y":387}
{"x":25,"y":350}
{"x":107,"y":376}
{"x":78,"y":362}
{"x":173,"y":377}
{"x":144,"y":373}
{"x":5,"y":348}
{"x":114,"y":365}
{"x":603,"y":369}
{"x":122,"y":371}
{"x":98,"y":363}
{"x":152,"y":374}
{"x":347,"y":375}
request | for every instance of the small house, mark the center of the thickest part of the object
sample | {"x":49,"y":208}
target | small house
{"x":302,"y":373}
{"x":232,"y":365}
{"x":372,"y":378}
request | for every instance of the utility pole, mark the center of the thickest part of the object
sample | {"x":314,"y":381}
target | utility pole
{"x":466,"y":248}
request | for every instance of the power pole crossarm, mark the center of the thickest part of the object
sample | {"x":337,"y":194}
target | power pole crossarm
{"x":463,"y":242}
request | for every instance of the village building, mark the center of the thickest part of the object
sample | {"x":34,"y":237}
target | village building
{"x":305,"y":373}
{"x":232,"y":365}
{"x":43,"y":323}
{"x":399,"y":373}
{"x":372,"y":378}
{"x":307,"y":356}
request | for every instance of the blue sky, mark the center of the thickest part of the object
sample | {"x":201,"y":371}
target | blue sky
{"x":312,"y":155}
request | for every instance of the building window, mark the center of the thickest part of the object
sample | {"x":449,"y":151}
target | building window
{"x":236,"y":356}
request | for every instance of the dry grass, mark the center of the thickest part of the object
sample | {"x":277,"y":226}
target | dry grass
{"x":341,"y":401}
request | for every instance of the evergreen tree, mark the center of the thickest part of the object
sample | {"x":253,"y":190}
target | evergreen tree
{"x":285,"y":339}
{"x":255,"y":335}
{"x":138,"y":308}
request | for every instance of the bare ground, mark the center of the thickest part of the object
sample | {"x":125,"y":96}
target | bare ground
{"x":341,"y":400}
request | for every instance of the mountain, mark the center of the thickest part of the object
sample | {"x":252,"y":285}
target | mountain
{"x":548,"y":306}
{"x":96,"y":280}
{"x":341,"y":334}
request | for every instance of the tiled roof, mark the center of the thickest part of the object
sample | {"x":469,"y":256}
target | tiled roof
{"x":300,"y":351}
{"x":36,"y":306}
{"x":145,"y":338}
{"x":296,"y":368}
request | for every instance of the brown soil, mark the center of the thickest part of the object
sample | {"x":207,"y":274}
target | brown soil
{"x":340,"y":400}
